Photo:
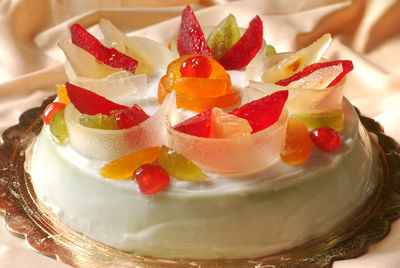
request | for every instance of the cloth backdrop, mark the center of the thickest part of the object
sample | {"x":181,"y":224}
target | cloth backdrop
{"x":364,"y":31}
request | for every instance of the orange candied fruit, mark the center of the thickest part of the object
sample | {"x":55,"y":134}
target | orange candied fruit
{"x":298,"y":144}
{"x":224,"y":125}
{"x":125,"y":166}
{"x":62,"y":94}
{"x":204,"y":84}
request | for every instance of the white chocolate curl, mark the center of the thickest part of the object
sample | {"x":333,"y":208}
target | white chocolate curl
{"x":108,"y":145}
{"x":237,"y":155}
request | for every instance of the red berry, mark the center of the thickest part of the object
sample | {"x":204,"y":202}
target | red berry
{"x":198,"y":66}
{"x":151,"y":178}
{"x":88,"y":102}
{"x":191,"y":38}
{"x":131,"y":117}
{"x":50,"y":110}
{"x":198,"y":125}
{"x":263,"y":112}
{"x":325,"y":138}
{"x":241,"y":53}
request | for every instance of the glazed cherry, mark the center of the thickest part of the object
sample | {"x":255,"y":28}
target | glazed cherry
{"x":151,"y":178}
{"x":325,"y":138}
{"x":197,"y":66}
{"x":50,"y":110}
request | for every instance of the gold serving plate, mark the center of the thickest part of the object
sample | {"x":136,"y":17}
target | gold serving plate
{"x":47,"y":235}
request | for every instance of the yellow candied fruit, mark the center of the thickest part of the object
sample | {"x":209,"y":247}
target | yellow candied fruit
{"x":62,"y":94}
{"x":124,"y":167}
{"x":179,"y":167}
{"x":333,"y":119}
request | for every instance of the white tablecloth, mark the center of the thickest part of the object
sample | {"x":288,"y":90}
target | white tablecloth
{"x":364,"y":31}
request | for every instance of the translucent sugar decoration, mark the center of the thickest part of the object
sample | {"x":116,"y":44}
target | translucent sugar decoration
{"x":108,"y":145}
{"x":245,"y":154}
{"x":120,"y":87}
{"x":271,"y":69}
{"x":301,"y":100}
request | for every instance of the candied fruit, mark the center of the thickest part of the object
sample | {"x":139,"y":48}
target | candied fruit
{"x":191,"y":38}
{"x":325,"y":138}
{"x":333,"y":119}
{"x":298,"y":144}
{"x":178,"y":166}
{"x":58,"y":127}
{"x":241,"y":53}
{"x":151,"y":178}
{"x":198,"y":93}
{"x":125,"y":166}
{"x":198,"y":125}
{"x":88,"y":102}
{"x":62,"y":94}
{"x":99,"y":121}
{"x":347,"y":66}
{"x":224,"y":125}
{"x":263,"y":112}
{"x":224,"y":36}
{"x":197,"y":66}
{"x":50,"y":110}
{"x":130,"y":117}
{"x":109,"y":56}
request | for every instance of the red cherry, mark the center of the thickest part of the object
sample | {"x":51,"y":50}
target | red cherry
{"x":198,"y":66}
{"x":151,"y":178}
{"x":325,"y":138}
{"x":198,"y":125}
{"x":50,"y":110}
{"x":131,"y":117}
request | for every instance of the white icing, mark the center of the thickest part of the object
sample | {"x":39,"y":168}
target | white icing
{"x":241,"y":216}
{"x":227,"y":217}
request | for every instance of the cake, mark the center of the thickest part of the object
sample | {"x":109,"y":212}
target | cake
{"x":225,"y":182}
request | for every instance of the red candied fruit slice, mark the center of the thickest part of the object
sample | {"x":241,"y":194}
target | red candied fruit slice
{"x":198,"y":125}
{"x":88,"y":102}
{"x":151,"y":178}
{"x":108,"y":56}
{"x":263,"y":112}
{"x":241,"y":53}
{"x":131,"y":117}
{"x":325,"y":138}
{"x":347,"y":66}
{"x":50,"y":111}
{"x":197,"y":66}
{"x":191,"y":38}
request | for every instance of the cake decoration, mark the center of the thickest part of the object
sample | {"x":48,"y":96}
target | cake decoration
{"x":198,"y":93}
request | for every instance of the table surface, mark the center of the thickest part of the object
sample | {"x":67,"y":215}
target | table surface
{"x":365,"y":31}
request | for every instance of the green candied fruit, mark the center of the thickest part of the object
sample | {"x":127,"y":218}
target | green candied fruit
{"x":58,"y":127}
{"x":99,"y":121}
{"x":178,"y":166}
{"x":224,"y":36}
{"x":270,"y":50}
{"x":333,"y":119}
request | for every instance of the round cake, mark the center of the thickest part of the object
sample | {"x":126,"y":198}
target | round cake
{"x":199,"y":151}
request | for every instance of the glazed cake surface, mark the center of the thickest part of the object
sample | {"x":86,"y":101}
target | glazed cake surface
{"x":227,"y":217}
